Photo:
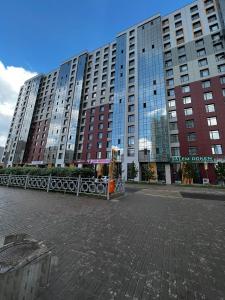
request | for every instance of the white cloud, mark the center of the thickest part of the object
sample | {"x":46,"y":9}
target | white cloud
{"x":11,"y":79}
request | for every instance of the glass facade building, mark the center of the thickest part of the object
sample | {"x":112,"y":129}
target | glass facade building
{"x":154,"y":95}
{"x":119,"y":105}
{"x":152,"y":114}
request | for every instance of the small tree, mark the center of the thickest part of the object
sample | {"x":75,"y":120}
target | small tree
{"x":149,"y":173}
{"x":188,"y":172}
{"x":133,"y":170}
{"x":220,"y":171}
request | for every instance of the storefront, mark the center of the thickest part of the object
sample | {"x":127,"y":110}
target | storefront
{"x":101,"y":166}
{"x":203,"y":168}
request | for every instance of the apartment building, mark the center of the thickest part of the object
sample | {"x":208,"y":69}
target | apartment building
{"x":155,"y":95}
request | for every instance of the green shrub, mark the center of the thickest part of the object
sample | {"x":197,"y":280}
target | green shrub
{"x":58,"y":172}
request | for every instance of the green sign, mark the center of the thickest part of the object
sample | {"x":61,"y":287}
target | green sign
{"x":193,"y":159}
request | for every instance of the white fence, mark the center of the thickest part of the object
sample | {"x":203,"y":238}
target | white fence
{"x":75,"y":185}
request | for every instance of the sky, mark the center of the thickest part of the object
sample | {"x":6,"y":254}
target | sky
{"x":36,"y":36}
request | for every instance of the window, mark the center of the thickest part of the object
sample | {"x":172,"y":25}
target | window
{"x":90,"y":137}
{"x":173,"y":126}
{"x":178,"y":24}
{"x":206,"y":84}
{"x":222,"y":80}
{"x":131,"y":98}
{"x":204,"y":73}
{"x":214,"y":27}
{"x":208,"y":96}
{"x":198,"y":33}
{"x":212,"y":19}
{"x":214,"y":135}
{"x":217,"y":149}
{"x":216,"y":37}
{"x":181,"y":50}
{"x":100,"y":126}
{"x":131,"y":80}
{"x":210,"y":108}
{"x":168,"y":55}
{"x":131,"y":108}
{"x":130,"y":152}
{"x":165,"y":22}
{"x":174,"y":138}
{"x":186,"y":100}
{"x":221,"y":68}
{"x":218,"y":47}
{"x":201,"y":52}
{"x":166,"y":37}
{"x":184,"y":78}
{"x":175,"y":151}
{"x":203,"y":62}
{"x":170,"y":82}
{"x":131,"y":89}
{"x":212,"y":121}
{"x":223,"y":92}
{"x":195,"y":17}
{"x":179,"y":32}
{"x":220,"y":56}
{"x":168,"y":63}
{"x":199,"y":43}
{"x":191,"y":137}
{"x":130,"y":141}
{"x":131,"y":129}
{"x":166,"y":46}
{"x":172,"y":114}
{"x":131,"y":118}
{"x":182,"y":59}
{"x":172,"y":103}
{"x":196,"y":25}
{"x":194,"y":9}
{"x":169,"y":72}
{"x":210,"y":9}
{"x":99,"y":155}
{"x":177,"y":16}
{"x":101,"y":117}
{"x":189,"y":123}
{"x":171,"y":93}
{"x":192,"y":151}
{"x":188,"y":111}
{"x":183,"y":68}
{"x":99,"y":145}
{"x":186,"y":89}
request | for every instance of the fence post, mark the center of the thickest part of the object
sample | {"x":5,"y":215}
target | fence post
{"x":78,"y":186}
{"x":26,"y":182}
{"x":49,"y":181}
{"x":107,"y":190}
{"x":9,"y":179}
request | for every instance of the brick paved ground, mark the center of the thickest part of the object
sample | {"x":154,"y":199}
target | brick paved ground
{"x":151,"y":244}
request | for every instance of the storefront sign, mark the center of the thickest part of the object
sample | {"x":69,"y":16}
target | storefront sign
{"x":37,"y":162}
{"x":94,"y":161}
{"x":193,"y":159}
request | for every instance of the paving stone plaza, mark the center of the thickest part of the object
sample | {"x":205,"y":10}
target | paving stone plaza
{"x":156,"y":242}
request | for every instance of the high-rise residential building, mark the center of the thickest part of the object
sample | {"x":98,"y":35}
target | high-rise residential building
{"x":1,"y":153}
{"x":155,"y":95}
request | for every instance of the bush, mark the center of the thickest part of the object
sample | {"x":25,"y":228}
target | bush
{"x":58,"y":172}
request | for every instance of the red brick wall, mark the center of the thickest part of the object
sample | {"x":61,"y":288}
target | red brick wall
{"x":95,"y":132}
{"x":203,"y":142}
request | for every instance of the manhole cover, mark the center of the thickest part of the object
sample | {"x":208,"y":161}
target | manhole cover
{"x":14,"y":254}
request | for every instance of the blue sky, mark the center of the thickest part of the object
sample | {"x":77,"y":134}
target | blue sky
{"x":38,"y":35}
